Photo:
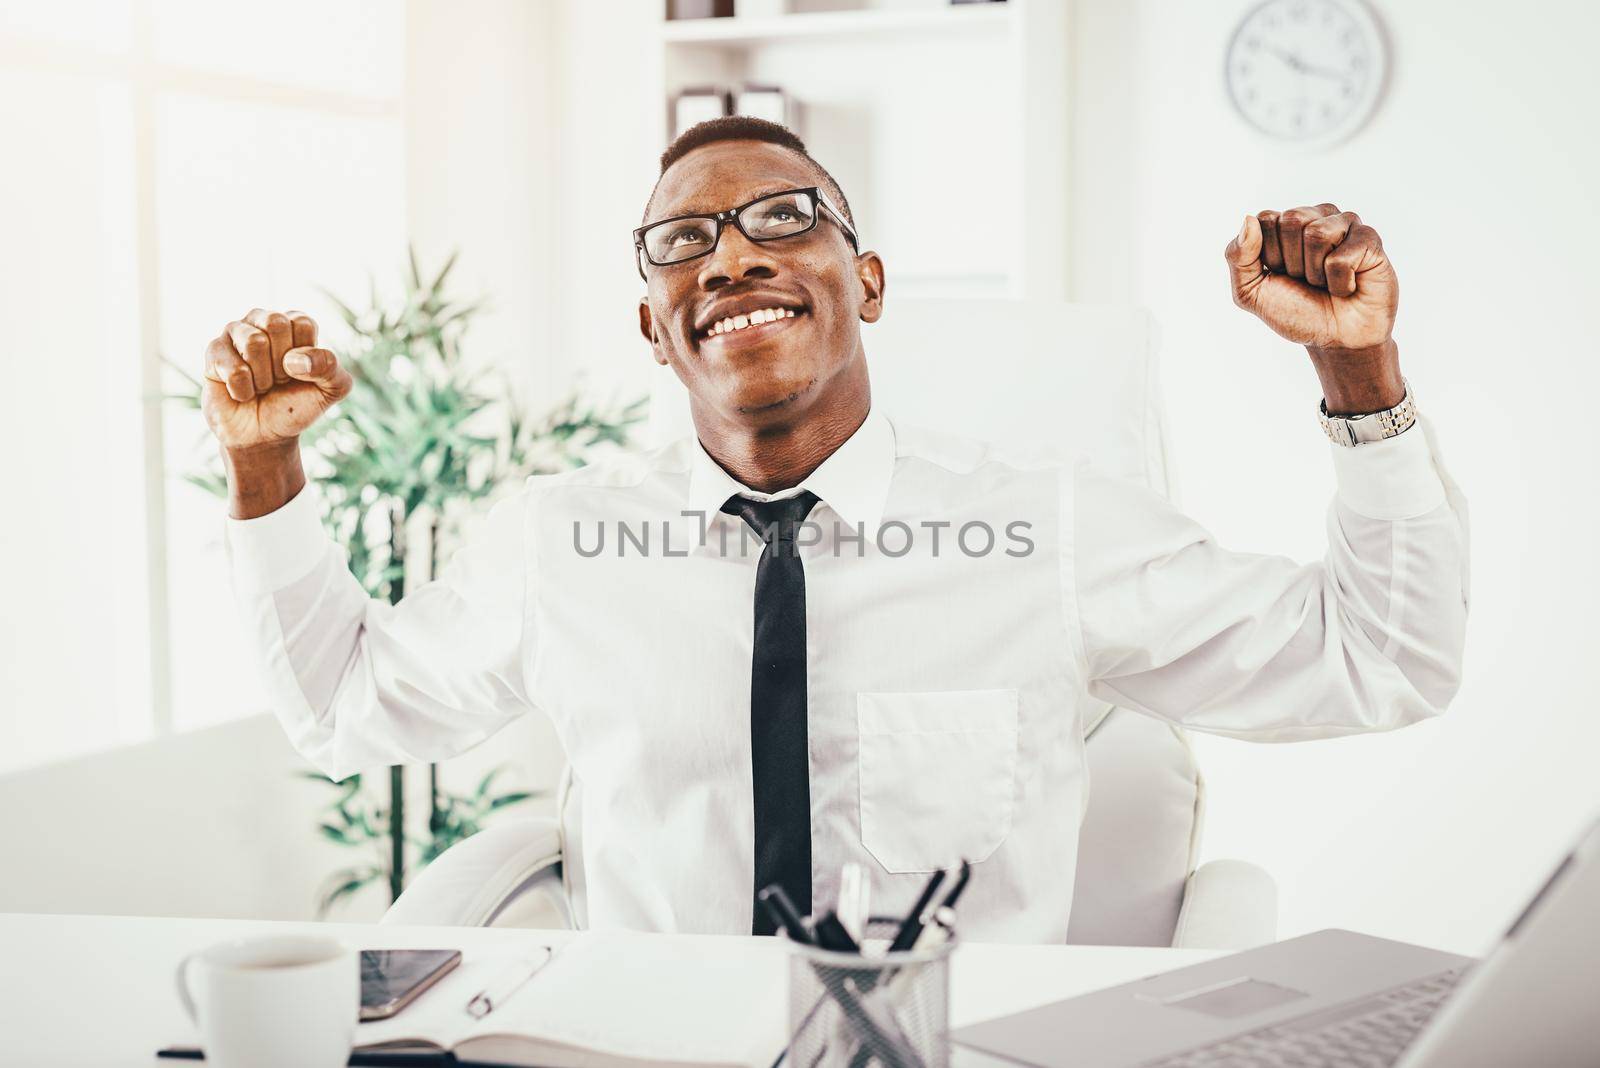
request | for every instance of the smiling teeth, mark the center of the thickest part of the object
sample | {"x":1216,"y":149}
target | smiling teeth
{"x":755,"y":318}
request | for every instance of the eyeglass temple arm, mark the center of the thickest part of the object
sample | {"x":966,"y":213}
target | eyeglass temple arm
{"x":838,"y":217}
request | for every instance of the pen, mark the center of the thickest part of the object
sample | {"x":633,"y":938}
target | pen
{"x":494,"y":995}
{"x":912,"y":925}
{"x":831,"y":934}
{"x":939,"y":929}
{"x":854,"y":894}
{"x":785,"y":915}
{"x":955,"y":891}
{"x":358,"y":1059}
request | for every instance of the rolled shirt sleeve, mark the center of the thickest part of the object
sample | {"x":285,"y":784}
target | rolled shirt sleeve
{"x":359,"y":683}
{"x":1261,"y":647}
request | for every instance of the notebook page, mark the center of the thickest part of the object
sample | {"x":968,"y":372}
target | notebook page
{"x":656,"y":997}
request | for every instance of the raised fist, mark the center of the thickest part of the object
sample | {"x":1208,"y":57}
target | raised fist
{"x":1317,"y":276}
{"x":266,"y":381}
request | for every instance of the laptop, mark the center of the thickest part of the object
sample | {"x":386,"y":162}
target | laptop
{"x":1335,"y":998}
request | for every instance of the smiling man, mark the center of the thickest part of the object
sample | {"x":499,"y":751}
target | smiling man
{"x":850,"y":640}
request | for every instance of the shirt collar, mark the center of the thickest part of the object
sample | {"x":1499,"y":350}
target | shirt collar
{"x":853,"y":480}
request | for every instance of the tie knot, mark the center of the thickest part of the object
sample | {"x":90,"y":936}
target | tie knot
{"x":769,"y":518}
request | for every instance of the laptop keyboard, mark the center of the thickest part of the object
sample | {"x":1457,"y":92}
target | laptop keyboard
{"x":1369,"y":1034}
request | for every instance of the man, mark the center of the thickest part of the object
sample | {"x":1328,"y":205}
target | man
{"x":847,"y":687}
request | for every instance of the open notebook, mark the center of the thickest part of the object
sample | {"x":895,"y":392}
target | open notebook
{"x":610,"y":1000}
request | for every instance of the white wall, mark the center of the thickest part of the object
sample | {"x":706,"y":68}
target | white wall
{"x":607,"y":67}
{"x":1477,"y":171}
{"x":481,"y":168}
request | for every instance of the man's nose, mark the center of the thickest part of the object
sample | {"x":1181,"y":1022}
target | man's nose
{"x":736,"y":258}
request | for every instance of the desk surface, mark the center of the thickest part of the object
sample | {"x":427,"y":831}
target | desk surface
{"x":98,"y":990}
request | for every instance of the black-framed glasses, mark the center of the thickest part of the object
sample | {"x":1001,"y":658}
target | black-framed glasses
{"x":768,"y":218}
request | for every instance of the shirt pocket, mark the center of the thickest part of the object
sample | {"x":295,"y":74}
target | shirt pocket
{"x":938,"y":775}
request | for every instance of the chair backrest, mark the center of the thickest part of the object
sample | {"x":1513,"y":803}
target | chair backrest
{"x":1083,"y":378}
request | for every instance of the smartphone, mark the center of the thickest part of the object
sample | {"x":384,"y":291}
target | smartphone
{"x":391,"y":979}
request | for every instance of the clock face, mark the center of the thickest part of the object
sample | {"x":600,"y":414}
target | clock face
{"x":1306,"y":70}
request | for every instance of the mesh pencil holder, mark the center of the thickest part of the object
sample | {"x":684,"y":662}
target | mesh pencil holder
{"x":870,"y":1010}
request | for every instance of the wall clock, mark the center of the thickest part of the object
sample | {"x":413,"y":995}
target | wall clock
{"x":1307,"y":72}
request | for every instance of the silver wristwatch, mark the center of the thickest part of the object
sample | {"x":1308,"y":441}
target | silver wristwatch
{"x":1372,"y":426}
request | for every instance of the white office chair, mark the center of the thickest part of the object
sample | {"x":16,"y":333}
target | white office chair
{"x":1082,"y":377}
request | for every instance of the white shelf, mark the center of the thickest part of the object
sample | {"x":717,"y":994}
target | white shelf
{"x":957,"y":18}
{"x":908,"y":104}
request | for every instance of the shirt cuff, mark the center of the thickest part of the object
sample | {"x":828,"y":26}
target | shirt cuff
{"x":274,"y":550}
{"x":1390,"y":479}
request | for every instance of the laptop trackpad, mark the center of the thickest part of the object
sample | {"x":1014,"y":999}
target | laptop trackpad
{"x":1234,"y":997}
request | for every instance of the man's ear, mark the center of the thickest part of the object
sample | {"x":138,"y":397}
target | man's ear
{"x":869,"y":269}
{"x":647,"y":327}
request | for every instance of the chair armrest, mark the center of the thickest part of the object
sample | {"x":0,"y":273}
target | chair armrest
{"x":1227,"y":904}
{"x":475,"y":880}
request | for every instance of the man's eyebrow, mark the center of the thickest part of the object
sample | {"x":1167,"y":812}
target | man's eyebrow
{"x":766,"y":191}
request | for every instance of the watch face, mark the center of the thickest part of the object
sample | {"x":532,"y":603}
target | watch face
{"x":1306,"y":70}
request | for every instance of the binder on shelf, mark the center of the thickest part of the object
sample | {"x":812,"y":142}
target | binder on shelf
{"x":765,"y":102}
{"x":697,"y":104}
{"x":699,"y":9}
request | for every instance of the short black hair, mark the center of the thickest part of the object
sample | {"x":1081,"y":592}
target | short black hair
{"x":745,"y":128}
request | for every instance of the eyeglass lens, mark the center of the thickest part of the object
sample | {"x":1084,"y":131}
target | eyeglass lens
{"x":782,"y":215}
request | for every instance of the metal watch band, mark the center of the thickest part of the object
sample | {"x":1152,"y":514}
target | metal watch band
{"x":1372,"y":426}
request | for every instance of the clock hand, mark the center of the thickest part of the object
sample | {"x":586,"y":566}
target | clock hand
{"x":1288,"y":57}
{"x":1325,"y":72}
{"x":1300,"y":66}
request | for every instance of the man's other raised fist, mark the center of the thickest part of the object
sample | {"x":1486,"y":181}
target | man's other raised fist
{"x":266,"y":381}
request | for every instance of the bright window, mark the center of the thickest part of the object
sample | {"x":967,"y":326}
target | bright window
{"x":170,"y":165}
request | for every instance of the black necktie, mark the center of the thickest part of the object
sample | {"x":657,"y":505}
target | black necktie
{"x":779,"y":757}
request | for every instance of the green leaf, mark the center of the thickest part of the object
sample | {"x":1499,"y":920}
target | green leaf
{"x":216,"y":485}
{"x":463,"y":312}
{"x":344,"y":883}
{"x":510,"y":799}
{"x":178,"y":367}
{"x":416,"y":275}
{"x":438,"y":280}
{"x":351,"y":319}
{"x":486,"y":782}
{"x":188,"y":400}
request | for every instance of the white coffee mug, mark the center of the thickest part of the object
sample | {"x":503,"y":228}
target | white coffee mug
{"x":274,"y":1000}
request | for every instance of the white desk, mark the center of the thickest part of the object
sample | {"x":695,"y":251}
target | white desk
{"x":98,"y":990}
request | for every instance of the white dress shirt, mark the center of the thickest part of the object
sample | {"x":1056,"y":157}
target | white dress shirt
{"x":948,"y":686}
